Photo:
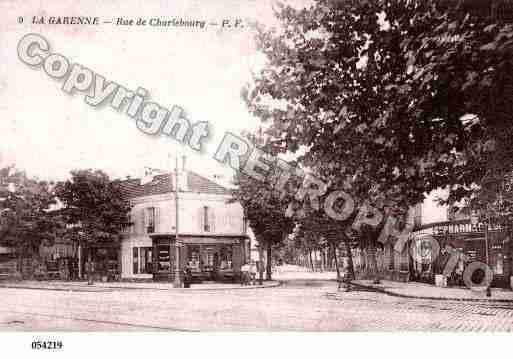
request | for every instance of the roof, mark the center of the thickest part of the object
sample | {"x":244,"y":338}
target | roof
{"x":160,"y":184}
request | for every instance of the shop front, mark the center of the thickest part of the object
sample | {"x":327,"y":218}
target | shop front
{"x":8,"y":263}
{"x":102,"y":261}
{"x":492,"y":248}
{"x":209,"y":258}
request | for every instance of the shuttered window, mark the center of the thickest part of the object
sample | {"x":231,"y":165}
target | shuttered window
{"x":135,"y":256}
{"x":206,"y":219}
{"x":151,"y":219}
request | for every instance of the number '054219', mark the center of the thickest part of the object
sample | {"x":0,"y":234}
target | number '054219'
{"x":48,"y":345}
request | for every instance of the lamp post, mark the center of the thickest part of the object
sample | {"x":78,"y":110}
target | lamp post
{"x":177,"y":281}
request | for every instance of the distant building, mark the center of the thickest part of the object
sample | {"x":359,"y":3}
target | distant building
{"x":456,"y":229}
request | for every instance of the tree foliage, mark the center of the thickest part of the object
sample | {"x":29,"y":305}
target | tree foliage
{"x":26,"y":219}
{"x":264,"y":206}
{"x":93,"y":206}
{"x":390,"y":98}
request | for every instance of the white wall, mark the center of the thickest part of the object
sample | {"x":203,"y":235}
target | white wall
{"x":227,"y":218}
{"x":431,"y":211}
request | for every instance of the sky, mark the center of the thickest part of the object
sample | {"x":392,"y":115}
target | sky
{"x":48,"y":132}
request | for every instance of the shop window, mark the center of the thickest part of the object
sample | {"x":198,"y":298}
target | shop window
{"x":193,"y":259}
{"x":163,"y":258}
{"x":142,"y":260}
{"x":499,"y":266}
{"x":226,"y":258}
{"x":135,"y":261}
{"x":209,"y":258}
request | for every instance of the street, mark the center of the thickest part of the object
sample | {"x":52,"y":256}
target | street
{"x":308,"y":304}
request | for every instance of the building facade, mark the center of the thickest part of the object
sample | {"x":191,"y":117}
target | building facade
{"x":475,"y":242}
{"x":210,"y":240}
{"x":456,"y":231}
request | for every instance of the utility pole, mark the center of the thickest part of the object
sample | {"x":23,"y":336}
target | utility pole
{"x":177,"y":280}
{"x":493,"y":13}
{"x":487,"y":221}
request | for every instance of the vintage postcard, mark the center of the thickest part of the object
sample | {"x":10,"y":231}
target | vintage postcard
{"x":263,"y":166}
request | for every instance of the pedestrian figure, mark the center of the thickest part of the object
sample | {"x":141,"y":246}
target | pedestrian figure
{"x":90,"y":272}
{"x":187,"y":278}
{"x":253,"y":273}
{"x":245,"y":275}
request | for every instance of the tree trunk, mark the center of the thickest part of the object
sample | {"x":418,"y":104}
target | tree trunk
{"x":90,"y":271}
{"x":311,"y":260}
{"x":20,"y":262}
{"x":350,"y":266}
{"x":336,"y":263}
{"x":269,"y":263}
{"x":373,"y":265}
{"x":260,"y":264}
{"x":80,"y":267}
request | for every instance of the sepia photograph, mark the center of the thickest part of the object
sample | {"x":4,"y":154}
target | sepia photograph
{"x":248,"y":167}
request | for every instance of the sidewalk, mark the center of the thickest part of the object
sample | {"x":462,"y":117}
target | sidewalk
{"x":427,"y":291}
{"x":111,"y":286}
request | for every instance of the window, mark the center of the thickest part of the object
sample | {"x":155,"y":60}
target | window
{"x":206,"y":222}
{"x":163,"y":258}
{"x":244,"y":225}
{"x":226,"y":258}
{"x":391,"y":258}
{"x":499,"y":265}
{"x":194,"y":258}
{"x":209,"y":258}
{"x":142,"y":260}
{"x":130,"y":224}
{"x":150,"y":219}
{"x":206,"y":219}
{"x":135,"y":261}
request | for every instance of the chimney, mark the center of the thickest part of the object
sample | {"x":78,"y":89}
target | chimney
{"x":183,"y":184}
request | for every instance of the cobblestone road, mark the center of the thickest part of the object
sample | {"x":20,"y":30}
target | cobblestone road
{"x":296,"y":305}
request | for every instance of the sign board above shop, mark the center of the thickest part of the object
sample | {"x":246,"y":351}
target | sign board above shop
{"x":209,"y":240}
{"x":199,"y":240}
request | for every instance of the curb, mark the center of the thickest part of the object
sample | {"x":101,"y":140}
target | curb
{"x":55,"y":289}
{"x":100,"y":289}
{"x":394,"y":294}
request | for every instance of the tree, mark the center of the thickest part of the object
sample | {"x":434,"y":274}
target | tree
{"x":390,"y":100}
{"x":93,"y":208}
{"x":26,"y":219}
{"x":264,"y":209}
{"x":315,"y":229}
{"x":401,"y":97}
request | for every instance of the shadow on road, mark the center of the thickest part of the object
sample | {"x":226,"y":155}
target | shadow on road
{"x":307,"y":283}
